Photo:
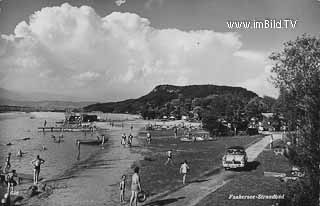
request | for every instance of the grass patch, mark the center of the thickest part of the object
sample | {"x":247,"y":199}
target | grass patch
{"x":253,"y":183}
{"x":202,"y":157}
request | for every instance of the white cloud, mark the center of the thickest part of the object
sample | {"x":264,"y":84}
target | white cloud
{"x":262,"y":83}
{"x":251,"y":55}
{"x":150,"y":3}
{"x":75,"y":51}
{"x":120,"y":2}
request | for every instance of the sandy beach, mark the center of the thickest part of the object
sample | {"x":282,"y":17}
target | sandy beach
{"x":95,"y":180}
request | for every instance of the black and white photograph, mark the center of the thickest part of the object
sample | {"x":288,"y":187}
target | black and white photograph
{"x":159,"y":102}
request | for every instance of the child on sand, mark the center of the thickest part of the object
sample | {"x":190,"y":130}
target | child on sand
{"x":122,"y":188}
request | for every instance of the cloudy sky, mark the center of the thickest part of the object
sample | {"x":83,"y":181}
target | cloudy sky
{"x":116,"y":49}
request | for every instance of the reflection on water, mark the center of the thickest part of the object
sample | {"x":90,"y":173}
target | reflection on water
{"x":20,"y":129}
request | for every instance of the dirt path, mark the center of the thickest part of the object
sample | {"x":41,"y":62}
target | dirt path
{"x":191,"y":194}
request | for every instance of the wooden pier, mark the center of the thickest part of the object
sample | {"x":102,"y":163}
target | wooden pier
{"x":64,"y":129}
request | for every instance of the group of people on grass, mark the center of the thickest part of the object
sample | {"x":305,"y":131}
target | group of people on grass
{"x":136,"y":192}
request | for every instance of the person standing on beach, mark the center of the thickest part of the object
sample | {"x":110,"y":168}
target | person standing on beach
{"x":36,"y":168}
{"x":123,"y":139}
{"x":103,"y":140}
{"x":130,"y":137}
{"x":122,"y":188}
{"x":135,"y":187}
{"x":184,"y":170}
{"x":78,"y":144}
{"x":7,"y":165}
{"x":45,"y":123}
{"x":11,"y":181}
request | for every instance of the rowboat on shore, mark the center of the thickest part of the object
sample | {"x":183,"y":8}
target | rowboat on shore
{"x":97,"y":141}
{"x":89,"y":142}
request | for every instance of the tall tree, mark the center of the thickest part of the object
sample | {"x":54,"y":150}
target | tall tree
{"x":296,"y":73}
{"x":255,"y":107}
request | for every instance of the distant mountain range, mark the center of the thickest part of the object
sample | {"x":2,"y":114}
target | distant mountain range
{"x":39,"y":100}
{"x":166,"y":94}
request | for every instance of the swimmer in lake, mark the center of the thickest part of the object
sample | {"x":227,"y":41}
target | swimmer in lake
{"x":36,"y":168}
{"x":20,"y":153}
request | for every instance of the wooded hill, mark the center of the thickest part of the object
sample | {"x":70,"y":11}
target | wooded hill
{"x":178,"y":100}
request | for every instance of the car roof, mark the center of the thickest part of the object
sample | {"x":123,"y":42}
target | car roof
{"x":237,"y":147}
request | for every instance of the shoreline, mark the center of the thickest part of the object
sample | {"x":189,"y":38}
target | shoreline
{"x":88,"y":171}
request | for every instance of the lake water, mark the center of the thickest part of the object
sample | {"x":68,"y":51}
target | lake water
{"x":58,"y":156}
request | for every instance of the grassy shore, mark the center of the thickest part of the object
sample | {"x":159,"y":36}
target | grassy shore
{"x":253,"y":183}
{"x":203,"y":157}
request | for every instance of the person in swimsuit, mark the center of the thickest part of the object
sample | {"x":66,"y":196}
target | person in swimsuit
{"x":148,"y":138}
{"x":123,"y":139}
{"x":122,"y":188}
{"x":7,"y":165}
{"x":183,"y":170}
{"x":20,"y":153}
{"x":135,"y":187}
{"x":130,"y":137}
{"x":103,"y":140}
{"x":11,"y":181}
{"x":36,"y":168}
{"x":169,"y":154}
{"x":78,"y":146}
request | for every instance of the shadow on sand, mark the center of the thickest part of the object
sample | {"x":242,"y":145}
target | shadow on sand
{"x":249,"y":167}
{"x":164,"y":202}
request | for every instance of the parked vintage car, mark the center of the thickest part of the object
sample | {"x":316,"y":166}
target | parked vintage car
{"x":235,"y":157}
